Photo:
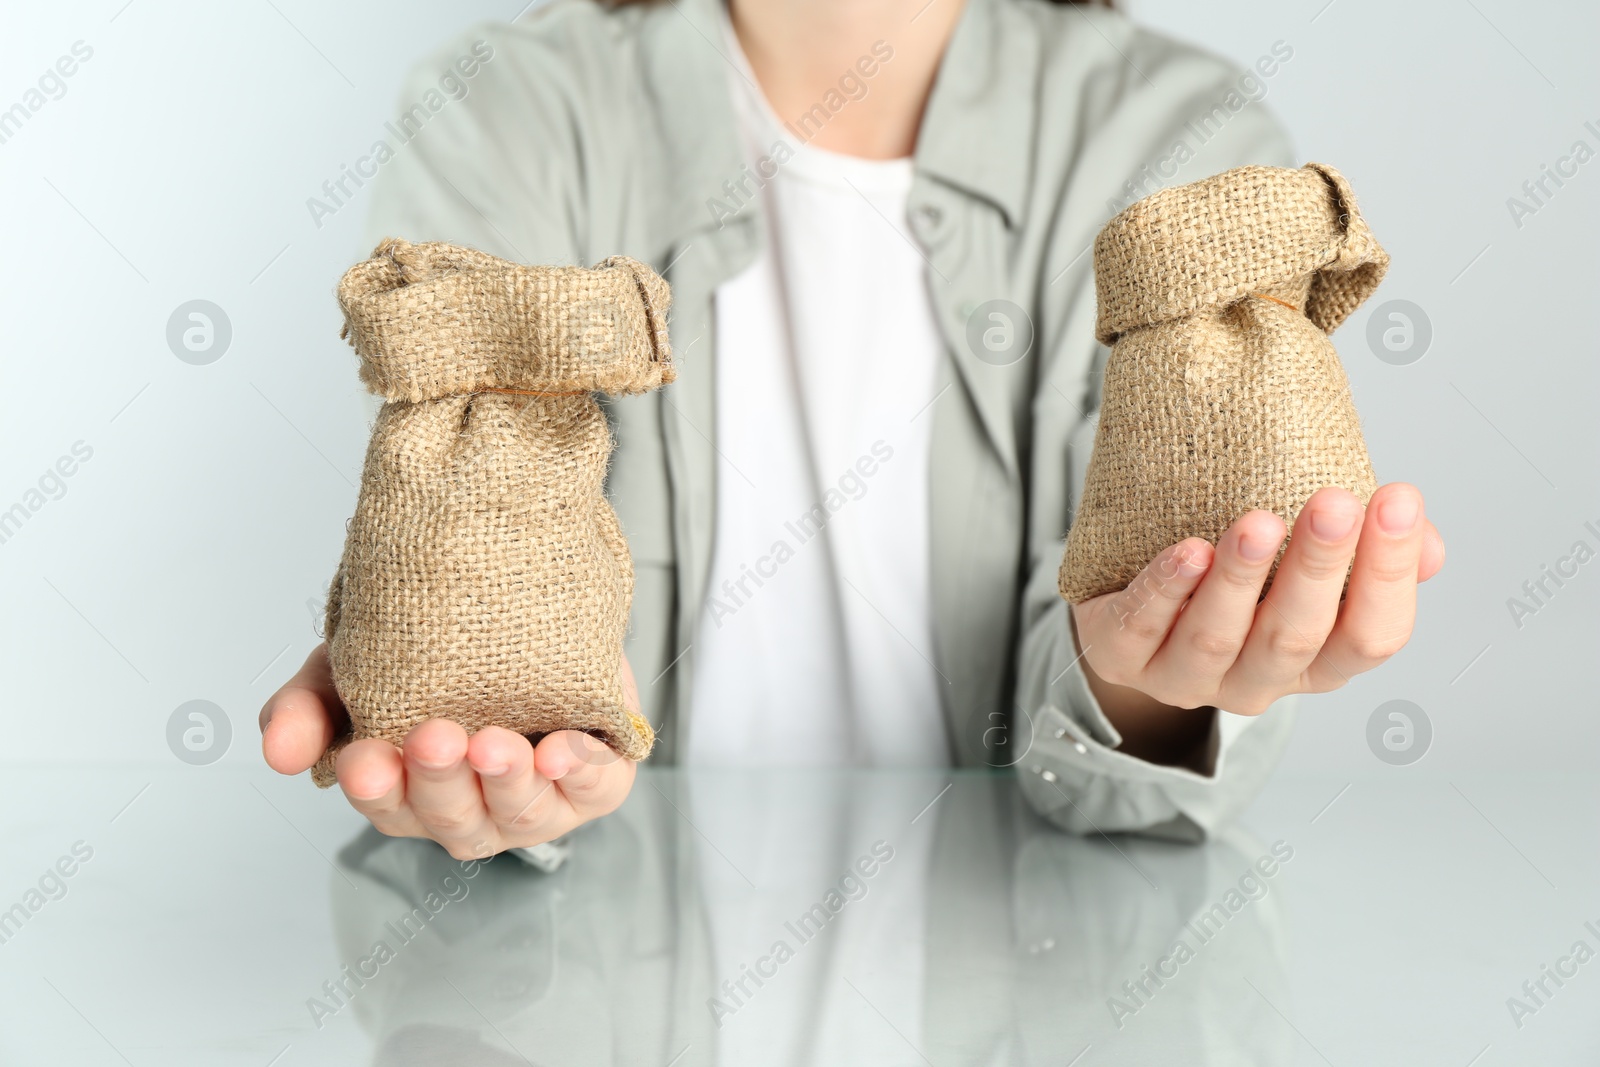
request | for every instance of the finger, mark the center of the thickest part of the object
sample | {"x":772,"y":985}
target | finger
{"x":1432,"y":561}
{"x":372,"y":775}
{"x":1208,"y":636}
{"x":1302,"y":606}
{"x":1381,"y":604}
{"x":1122,"y":631}
{"x":300,"y":720}
{"x":524,"y":805}
{"x":443,"y":789}
{"x":589,"y":774}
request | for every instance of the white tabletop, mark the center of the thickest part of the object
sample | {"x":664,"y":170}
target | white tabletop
{"x":1398,"y":924}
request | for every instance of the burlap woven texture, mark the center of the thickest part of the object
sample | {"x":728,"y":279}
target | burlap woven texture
{"x":1218,"y":400}
{"x":485,"y":578}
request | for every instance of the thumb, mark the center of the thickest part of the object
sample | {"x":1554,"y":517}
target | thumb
{"x":300,"y":719}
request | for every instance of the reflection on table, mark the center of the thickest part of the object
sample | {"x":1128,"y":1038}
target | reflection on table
{"x":798,"y":919}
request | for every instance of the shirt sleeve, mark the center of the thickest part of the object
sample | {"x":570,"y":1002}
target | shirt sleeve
{"x":492,"y":161}
{"x":1072,"y":771}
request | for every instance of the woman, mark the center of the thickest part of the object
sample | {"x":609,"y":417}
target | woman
{"x":847,"y":514}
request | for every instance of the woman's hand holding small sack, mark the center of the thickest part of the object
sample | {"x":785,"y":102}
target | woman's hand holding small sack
{"x":1190,"y":632}
{"x":476,"y":795}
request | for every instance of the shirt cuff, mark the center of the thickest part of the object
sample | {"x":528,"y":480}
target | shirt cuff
{"x":1229,"y":729}
{"x":1072,"y":727}
{"x":547,"y":857}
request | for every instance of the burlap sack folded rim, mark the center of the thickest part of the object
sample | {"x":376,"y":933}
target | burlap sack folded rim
{"x":433,"y":319}
{"x":1258,"y":226}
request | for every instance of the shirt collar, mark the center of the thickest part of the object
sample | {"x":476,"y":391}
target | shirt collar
{"x":978,"y":128}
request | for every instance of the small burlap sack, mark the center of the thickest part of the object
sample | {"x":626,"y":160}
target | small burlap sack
{"x":485,"y":578}
{"x":1222,"y":393}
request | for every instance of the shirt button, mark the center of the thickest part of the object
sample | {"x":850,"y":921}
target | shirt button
{"x":927,"y":216}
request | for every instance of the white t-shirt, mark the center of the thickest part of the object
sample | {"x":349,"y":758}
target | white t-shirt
{"x":815,"y":643}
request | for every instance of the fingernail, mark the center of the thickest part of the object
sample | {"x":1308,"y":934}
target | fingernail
{"x":1332,"y":524}
{"x":1256,"y":549}
{"x":1190,"y":564}
{"x":1398,"y":514}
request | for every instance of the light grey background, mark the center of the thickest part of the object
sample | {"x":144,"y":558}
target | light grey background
{"x":185,"y":560}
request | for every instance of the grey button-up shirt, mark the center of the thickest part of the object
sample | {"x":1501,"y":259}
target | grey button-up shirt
{"x":587,"y":132}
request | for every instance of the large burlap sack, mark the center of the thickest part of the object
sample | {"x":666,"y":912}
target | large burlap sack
{"x":1222,"y":393}
{"x":485,"y":578}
